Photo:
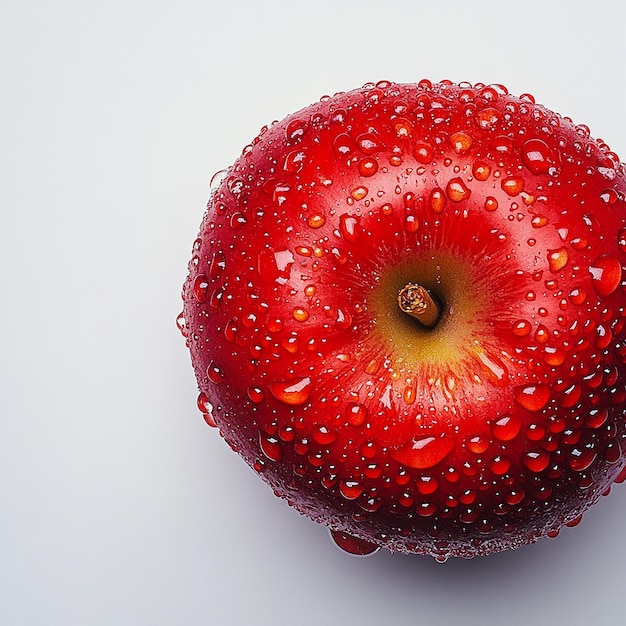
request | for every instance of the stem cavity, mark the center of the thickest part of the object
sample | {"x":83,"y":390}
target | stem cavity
{"x":418,"y":302}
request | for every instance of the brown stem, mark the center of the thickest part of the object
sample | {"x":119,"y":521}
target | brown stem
{"x":417,"y":301}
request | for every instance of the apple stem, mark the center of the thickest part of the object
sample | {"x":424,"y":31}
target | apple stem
{"x":418,"y":302}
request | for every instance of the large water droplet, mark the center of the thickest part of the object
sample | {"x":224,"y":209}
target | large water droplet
{"x":323,"y":435}
{"x":537,"y":156}
{"x":206,"y":408}
{"x":437,"y":200}
{"x":492,"y":367}
{"x":368,"y":166}
{"x":216,"y":180}
{"x":507,"y":427}
{"x":350,"y":489}
{"x":368,"y":143}
{"x":457,"y":190}
{"x":270,"y":446}
{"x":481,"y":170}
{"x":214,"y":373}
{"x":255,"y":394}
{"x":499,"y":465}
{"x":294,"y":161}
{"x":424,"y":452}
{"x":181,"y":324}
{"x":353,"y":545}
{"x":295,"y":391}
{"x":536,"y":460}
{"x":427,"y":485}
{"x":513,"y":185}
{"x":580,"y":459}
{"x":461,"y":142}
{"x":355,"y":413}
{"x":295,"y":130}
{"x":477,"y":444}
{"x":557,"y":259}
{"x":532,"y":397}
{"x":275,"y":266}
{"x":423,"y":152}
{"x":201,"y":288}
{"x":606,"y":274}
{"x":343,"y":144}
{"x":521,"y":328}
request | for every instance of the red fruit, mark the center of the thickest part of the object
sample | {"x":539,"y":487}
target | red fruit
{"x":497,"y":420}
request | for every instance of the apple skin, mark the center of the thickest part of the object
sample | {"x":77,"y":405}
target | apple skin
{"x":497,"y":427}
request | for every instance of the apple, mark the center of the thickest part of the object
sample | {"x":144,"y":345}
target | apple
{"x":405,"y":311}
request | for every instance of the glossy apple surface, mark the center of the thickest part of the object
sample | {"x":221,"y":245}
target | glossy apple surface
{"x":501,"y":423}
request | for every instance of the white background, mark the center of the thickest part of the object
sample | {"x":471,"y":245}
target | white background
{"x":118,"y":505}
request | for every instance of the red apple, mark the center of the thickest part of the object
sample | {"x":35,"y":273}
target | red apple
{"x":405,"y":310}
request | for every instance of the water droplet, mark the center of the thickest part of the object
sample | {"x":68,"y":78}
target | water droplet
{"x":353,"y":545}
{"x":300,"y":315}
{"x":427,"y":485}
{"x":214,"y":373}
{"x":492,"y":367}
{"x":411,"y":224}
{"x":491,"y":204}
{"x":201,"y":288}
{"x":609,"y":196}
{"x":217,"y":264}
{"x":570,"y":396}
{"x":502,"y":145}
{"x":368,"y":166}
{"x":581,"y":459}
{"x":554,"y":356}
{"x":577,"y":296}
{"x":358,"y":193}
{"x":356,"y":413}
{"x":499,"y":465}
{"x":295,"y":391}
{"x":532,"y":397}
{"x":513,"y":185}
{"x":538,"y":157}
{"x":368,"y":143}
{"x":316,"y":220}
{"x":402,"y":127}
{"x":597,"y":417}
{"x":206,"y":408}
{"x":255,"y":394}
{"x":295,"y":130}
{"x":294,"y":162}
{"x":606,"y":274}
{"x":181,"y":324}
{"x":461,"y":142}
{"x":423,"y":152}
{"x":350,"y":489}
{"x":536,"y":460}
{"x":521,"y":328}
{"x":557,"y":259}
{"x":323,"y":435}
{"x":507,"y":427}
{"x":457,"y":190}
{"x":477,"y":444}
{"x":481,"y":171}
{"x":437,"y":200}
{"x":424,"y":452}
{"x":343,"y":144}
{"x":275,"y":266}
{"x":216,"y":180}
{"x":488,"y":118}
{"x":270,"y":446}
